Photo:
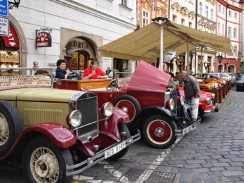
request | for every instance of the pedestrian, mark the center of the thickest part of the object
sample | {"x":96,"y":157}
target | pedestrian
{"x":192,"y":93}
{"x":35,"y":67}
{"x":109,"y":72}
{"x":62,"y":71}
{"x":93,"y":72}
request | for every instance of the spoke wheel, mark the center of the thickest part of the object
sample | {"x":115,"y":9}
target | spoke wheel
{"x":44,"y":162}
{"x":4,"y":130}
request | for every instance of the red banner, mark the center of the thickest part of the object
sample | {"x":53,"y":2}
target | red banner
{"x":11,"y":41}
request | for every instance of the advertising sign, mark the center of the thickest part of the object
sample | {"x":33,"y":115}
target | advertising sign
{"x":4,"y":26}
{"x":43,"y":38}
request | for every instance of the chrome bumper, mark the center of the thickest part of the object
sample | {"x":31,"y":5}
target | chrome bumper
{"x":100,"y":156}
{"x":181,"y":132}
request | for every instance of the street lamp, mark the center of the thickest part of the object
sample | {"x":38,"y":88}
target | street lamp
{"x":220,"y":58}
{"x":13,"y":3}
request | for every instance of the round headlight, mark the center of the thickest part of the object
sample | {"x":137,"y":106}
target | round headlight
{"x":171,"y":104}
{"x":208,"y":99}
{"x":213,"y":95}
{"x":224,"y":82}
{"x":182,"y":100}
{"x":75,"y":118}
{"x":108,"y":109}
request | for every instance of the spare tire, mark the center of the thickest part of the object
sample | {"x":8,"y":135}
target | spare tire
{"x":130,"y":105}
{"x":10,"y":126}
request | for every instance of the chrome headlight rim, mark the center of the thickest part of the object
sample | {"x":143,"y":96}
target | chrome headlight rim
{"x":108,"y":109}
{"x":213,"y":95}
{"x":75,"y":118}
{"x":208,"y":99}
{"x":171,"y":104}
{"x":182,"y":100}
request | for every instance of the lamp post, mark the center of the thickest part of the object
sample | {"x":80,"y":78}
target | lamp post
{"x":13,"y":3}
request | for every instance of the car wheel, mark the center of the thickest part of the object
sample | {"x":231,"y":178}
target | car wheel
{"x":123,"y":129}
{"x":200,"y":112}
{"x":130,"y":105}
{"x":159,"y":132}
{"x":45,"y":162}
{"x":10,"y":126}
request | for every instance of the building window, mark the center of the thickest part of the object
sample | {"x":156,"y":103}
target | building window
{"x":182,"y":21}
{"x":174,"y":18}
{"x":219,"y":10}
{"x":235,"y":33}
{"x":223,"y":10}
{"x":190,"y":24}
{"x":124,"y":2}
{"x":230,"y":13}
{"x":235,"y":15}
{"x":145,"y":18}
{"x":200,"y":8}
{"x":235,"y":50}
{"x":223,"y":29}
{"x":219,"y":32}
{"x":206,"y":11}
{"x":212,"y":14}
{"x":229,"y":32}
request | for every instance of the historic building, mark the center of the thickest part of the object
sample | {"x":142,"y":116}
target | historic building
{"x":228,"y":25}
{"x":47,"y":30}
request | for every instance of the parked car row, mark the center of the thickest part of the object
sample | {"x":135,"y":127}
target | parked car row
{"x":59,"y":132}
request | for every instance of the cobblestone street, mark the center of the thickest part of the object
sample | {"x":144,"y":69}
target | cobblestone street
{"x":214,"y":152}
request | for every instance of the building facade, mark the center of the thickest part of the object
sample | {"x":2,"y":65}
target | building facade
{"x":77,"y":28}
{"x":229,"y":25}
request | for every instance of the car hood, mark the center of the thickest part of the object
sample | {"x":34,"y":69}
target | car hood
{"x":148,"y":78}
{"x":38,"y":94}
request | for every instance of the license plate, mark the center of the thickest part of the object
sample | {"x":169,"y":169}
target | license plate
{"x":114,"y":150}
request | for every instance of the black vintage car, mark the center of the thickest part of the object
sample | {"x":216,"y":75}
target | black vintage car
{"x":240,"y":84}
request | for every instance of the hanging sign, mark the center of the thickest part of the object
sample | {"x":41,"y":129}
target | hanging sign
{"x":43,"y":38}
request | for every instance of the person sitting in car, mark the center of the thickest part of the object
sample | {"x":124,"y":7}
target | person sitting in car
{"x":93,"y":72}
{"x":62,"y":71}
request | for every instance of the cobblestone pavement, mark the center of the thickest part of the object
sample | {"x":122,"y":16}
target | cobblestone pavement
{"x":214,"y":152}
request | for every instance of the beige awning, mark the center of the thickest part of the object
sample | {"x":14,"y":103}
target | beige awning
{"x":144,"y":44}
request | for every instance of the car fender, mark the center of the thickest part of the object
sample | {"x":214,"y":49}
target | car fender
{"x":58,"y":134}
{"x":145,"y":113}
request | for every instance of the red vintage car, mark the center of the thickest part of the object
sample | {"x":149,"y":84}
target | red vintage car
{"x":152,"y":106}
{"x":206,"y":104}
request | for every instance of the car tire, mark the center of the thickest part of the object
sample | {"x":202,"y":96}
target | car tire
{"x":130,"y":105}
{"x":200,"y":112}
{"x":122,"y":128}
{"x":10,"y":126}
{"x":159,"y":132}
{"x":43,"y":161}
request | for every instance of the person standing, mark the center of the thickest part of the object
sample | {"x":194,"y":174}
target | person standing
{"x":192,"y":93}
{"x":35,"y":67}
{"x":93,"y":72}
{"x":109,"y":72}
{"x":62,"y":71}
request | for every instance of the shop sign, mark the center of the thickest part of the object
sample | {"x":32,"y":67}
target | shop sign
{"x":43,"y":38}
{"x":4,"y":26}
{"x":4,"y":8}
{"x":11,"y":41}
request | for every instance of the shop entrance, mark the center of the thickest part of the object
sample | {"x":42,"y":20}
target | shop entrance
{"x":79,"y":51}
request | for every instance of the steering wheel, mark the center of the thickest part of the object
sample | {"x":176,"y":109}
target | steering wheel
{"x":113,"y":85}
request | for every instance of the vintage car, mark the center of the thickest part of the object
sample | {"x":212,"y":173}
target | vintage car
{"x":206,"y":103}
{"x":240,"y":84}
{"x":152,"y":106}
{"x":57,"y":133}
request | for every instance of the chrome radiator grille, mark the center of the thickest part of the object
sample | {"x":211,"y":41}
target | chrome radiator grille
{"x":88,"y":105}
